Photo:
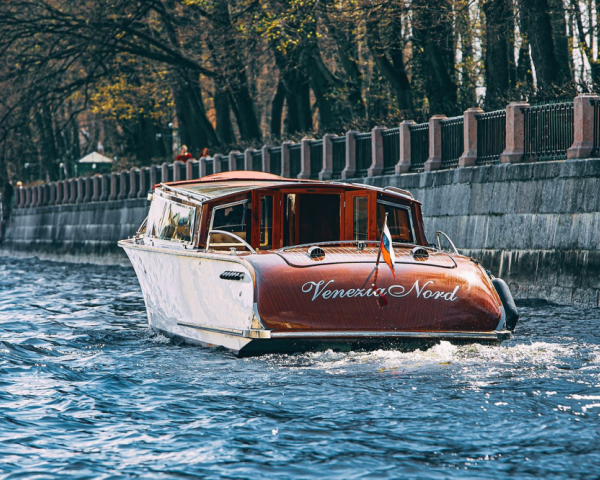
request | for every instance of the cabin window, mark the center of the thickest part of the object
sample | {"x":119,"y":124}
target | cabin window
{"x":319,"y":218}
{"x":234,"y":218}
{"x":360,"y":209}
{"x":266,"y":222}
{"x":290,"y":227}
{"x":170,"y":221}
{"x":399,"y":222}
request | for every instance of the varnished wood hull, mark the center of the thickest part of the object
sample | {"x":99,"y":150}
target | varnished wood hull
{"x":281,"y":308}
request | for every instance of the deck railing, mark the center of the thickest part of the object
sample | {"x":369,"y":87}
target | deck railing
{"x":316,"y":158}
{"x":419,"y":146}
{"x":491,"y":136}
{"x":295,"y":159}
{"x":548,"y":131}
{"x":338,"y":154}
{"x":363,"y":153}
{"x":540,"y":132}
{"x":452,"y":141}
{"x":391,"y":150}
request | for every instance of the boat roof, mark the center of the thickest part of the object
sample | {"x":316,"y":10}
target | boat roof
{"x":229,"y":183}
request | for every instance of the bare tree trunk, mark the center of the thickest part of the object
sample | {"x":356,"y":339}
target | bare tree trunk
{"x":498,"y":52}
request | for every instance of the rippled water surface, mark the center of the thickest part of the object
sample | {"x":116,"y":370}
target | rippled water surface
{"x":87,"y":390}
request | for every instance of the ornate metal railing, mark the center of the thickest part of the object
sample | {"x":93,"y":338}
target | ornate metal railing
{"x":596,"y":127}
{"x":363,"y":153}
{"x":224,"y":164}
{"x":391,"y":150}
{"x":452,"y":141}
{"x":240,"y":160}
{"x":338,"y":153}
{"x":316,"y":158}
{"x":257,"y":164}
{"x":295,"y":159}
{"x":419,"y":146}
{"x":548,"y":131}
{"x":210,"y":168}
{"x":491,"y":136}
{"x":275,"y":153}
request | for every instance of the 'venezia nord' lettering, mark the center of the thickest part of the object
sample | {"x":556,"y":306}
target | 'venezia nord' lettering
{"x":426,"y":291}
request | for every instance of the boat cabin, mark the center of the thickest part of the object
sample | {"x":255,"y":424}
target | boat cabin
{"x":234,"y":212}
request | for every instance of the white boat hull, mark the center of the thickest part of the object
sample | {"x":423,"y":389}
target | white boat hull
{"x":185,"y":296}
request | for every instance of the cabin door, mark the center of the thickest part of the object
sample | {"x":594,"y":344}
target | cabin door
{"x":360,"y":215}
{"x":266,"y":221}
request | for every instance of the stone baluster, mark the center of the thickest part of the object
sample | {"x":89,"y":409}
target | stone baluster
{"x":327,"y":171}
{"x":123,"y":180}
{"x":376,"y":167}
{"x":89,"y":189}
{"x":350,"y":168}
{"x":52,"y":193}
{"x":248,"y":159}
{"x":266,"y":158}
{"x":515,"y":133}
{"x":285,"y":159}
{"x":35,"y":195}
{"x":404,"y":161}
{"x":203,"y":161}
{"x":134,"y":182}
{"x":80,"y":182}
{"x":469,"y":156}
{"x":28,"y":195}
{"x":177,"y":171}
{"x":434,"y":162}
{"x":583,"y":123}
{"x":165,"y":173}
{"x":73,"y":190}
{"x":232,"y":161}
{"x":155,"y":176}
{"x":144,"y":182}
{"x":189,"y":169}
{"x":96,"y":187}
{"x":304,"y":158}
{"x":105,"y":187}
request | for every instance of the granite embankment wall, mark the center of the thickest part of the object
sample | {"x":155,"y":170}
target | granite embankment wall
{"x":537,"y":225}
{"x":86,"y":233}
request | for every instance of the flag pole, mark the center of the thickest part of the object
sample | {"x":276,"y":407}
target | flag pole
{"x":381,"y":300}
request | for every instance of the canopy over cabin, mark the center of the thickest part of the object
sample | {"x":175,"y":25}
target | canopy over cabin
{"x":243,"y":210}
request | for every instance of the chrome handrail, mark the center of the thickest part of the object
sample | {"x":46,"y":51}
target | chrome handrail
{"x":437,"y":238}
{"x":233,"y":235}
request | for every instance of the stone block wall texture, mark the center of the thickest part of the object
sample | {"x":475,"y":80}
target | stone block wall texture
{"x":537,"y":225}
{"x":85,"y":232}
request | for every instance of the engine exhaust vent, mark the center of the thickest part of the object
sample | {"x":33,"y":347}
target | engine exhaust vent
{"x":419,"y":253}
{"x":316,"y":253}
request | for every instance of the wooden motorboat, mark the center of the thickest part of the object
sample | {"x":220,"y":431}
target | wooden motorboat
{"x":258,"y":263}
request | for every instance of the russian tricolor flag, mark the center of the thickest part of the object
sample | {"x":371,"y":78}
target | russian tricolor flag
{"x":387,"y":250}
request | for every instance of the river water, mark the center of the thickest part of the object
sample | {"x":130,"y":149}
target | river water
{"x":87,"y":390}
